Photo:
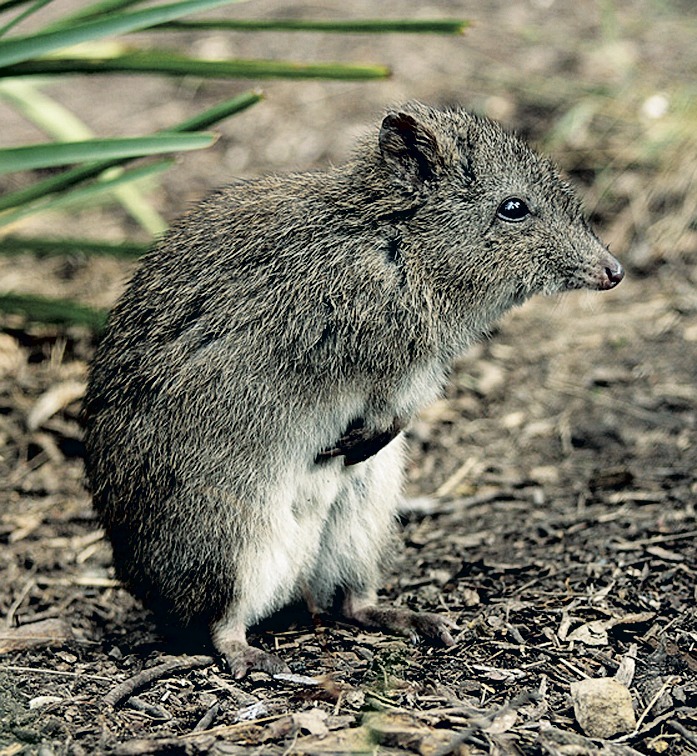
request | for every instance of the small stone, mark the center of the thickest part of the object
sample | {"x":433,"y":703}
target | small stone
{"x":603,"y":707}
{"x":41,"y":701}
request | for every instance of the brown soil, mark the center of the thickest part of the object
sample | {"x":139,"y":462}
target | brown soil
{"x":560,"y":527}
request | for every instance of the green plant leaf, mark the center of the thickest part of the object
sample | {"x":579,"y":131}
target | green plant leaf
{"x":36,"y":6}
{"x":81,"y":173}
{"x":98,"y":9}
{"x":24,"y":48}
{"x":48,"y":247}
{"x":58,"y":311}
{"x":365,"y":26}
{"x":171,"y":64}
{"x":6,"y":5}
{"x":49,"y":115}
{"x":47,"y":155}
{"x":218,"y":112}
{"x":63,"y":125}
{"x":84,"y":194}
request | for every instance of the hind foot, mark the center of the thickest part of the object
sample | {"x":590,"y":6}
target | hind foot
{"x":230,"y":639}
{"x":243,"y":658}
{"x":415,"y":625}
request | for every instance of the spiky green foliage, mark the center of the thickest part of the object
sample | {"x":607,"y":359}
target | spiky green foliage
{"x":81,"y":43}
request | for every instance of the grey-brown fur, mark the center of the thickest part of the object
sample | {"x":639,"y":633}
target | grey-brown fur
{"x":281,"y":319}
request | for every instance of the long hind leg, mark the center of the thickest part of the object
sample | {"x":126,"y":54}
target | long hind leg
{"x":266,"y":579}
{"x":258,"y":557}
{"x":355,"y":545}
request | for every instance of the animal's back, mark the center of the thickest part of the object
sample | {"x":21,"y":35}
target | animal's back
{"x":229,"y":362}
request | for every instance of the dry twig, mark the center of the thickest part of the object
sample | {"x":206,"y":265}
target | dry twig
{"x":128,"y":687}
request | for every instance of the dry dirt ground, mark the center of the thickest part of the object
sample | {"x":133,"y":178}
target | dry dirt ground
{"x":560,"y":467}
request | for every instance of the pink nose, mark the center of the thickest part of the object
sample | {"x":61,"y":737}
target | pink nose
{"x":612,"y":273}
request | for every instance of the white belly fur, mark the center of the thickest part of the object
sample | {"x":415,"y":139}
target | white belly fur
{"x":325,"y":525}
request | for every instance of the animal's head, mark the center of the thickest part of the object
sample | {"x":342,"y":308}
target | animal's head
{"x":489,"y":209}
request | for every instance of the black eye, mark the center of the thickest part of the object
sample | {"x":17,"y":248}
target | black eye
{"x":513,"y":209}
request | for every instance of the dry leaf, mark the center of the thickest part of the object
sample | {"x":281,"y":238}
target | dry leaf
{"x":41,"y":701}
{"x":592,"y":633}
{"x":349,"y":740}
{"x":664,"y":554}
{"x":625,"y":672}
{"x":53,"y":400}
{"x":406,"y":732}
{"x":502,"y":722}
{"x":45,"y":632}
{"x":12,"y":357}
{"x":313,"y":721}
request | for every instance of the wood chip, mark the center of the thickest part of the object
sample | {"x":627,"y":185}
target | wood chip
{"x":46,"y":632}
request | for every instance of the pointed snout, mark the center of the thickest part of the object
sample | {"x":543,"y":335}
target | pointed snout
{"x":611,"y":272}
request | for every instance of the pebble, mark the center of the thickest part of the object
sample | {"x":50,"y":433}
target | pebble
{"x":603,"y":707}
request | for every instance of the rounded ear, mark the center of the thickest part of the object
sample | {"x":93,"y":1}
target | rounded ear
{"x":410,"y":150}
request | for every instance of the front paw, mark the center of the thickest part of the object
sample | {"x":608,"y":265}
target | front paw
{"x":360,"y":442}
